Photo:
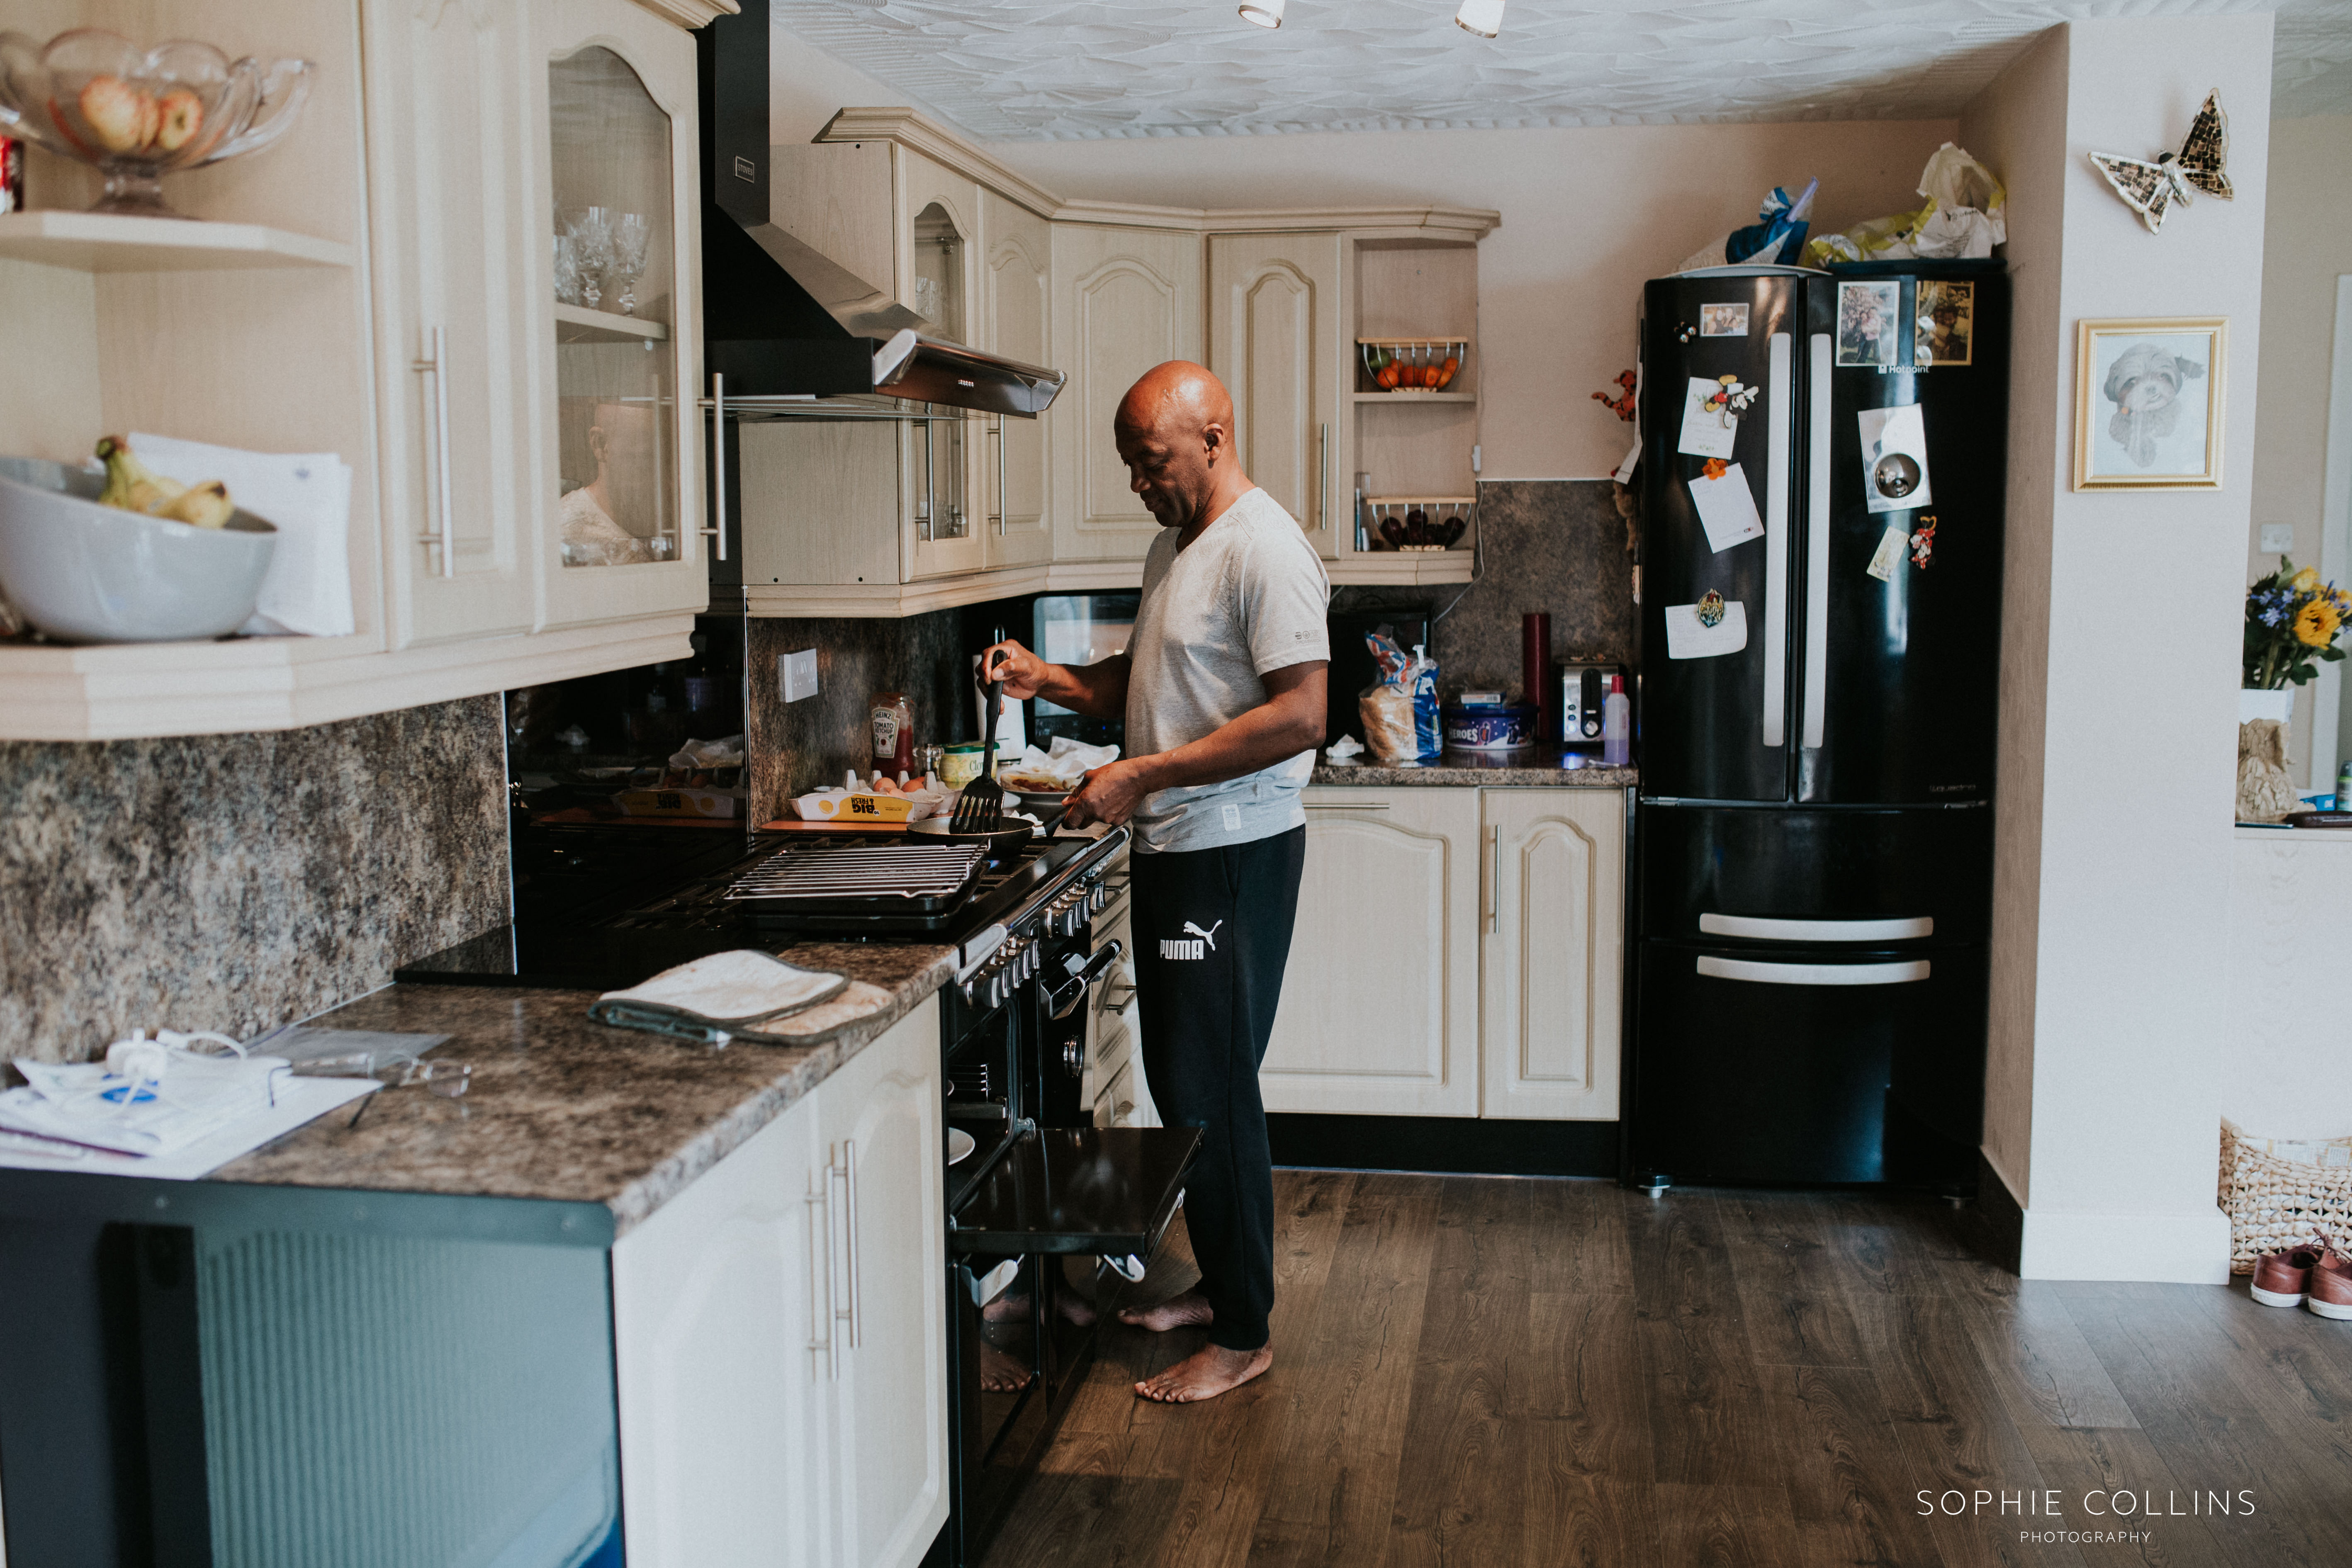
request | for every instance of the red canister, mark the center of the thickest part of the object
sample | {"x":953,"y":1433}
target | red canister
{"x":12,"y":174}
{"x":1534,"y":667}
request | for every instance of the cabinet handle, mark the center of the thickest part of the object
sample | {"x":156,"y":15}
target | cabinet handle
{"x":847,"y":1312}
{"x":437,"y":367}
{"x":930,"y":495}
{"x":1323,"y":503}
{"x":820,"y":1265}
{"x":1494,"y":876}
{"x":718,"y":460}
{"x":1000,"y":476}
{"x":1762,"y":973}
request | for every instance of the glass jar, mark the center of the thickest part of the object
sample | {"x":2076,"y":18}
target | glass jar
{"x":893,"y":734}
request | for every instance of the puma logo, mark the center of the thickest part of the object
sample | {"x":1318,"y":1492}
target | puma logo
{"x":1201,"y":944}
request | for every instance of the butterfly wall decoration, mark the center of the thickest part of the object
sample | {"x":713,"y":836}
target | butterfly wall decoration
{"x":2149,"y":189}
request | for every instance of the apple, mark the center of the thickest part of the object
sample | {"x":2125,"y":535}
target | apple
{"x":180,"y":114}
{"x":122,"y":117}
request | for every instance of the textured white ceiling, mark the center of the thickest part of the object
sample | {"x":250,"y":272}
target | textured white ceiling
{"x":1060,"y":69}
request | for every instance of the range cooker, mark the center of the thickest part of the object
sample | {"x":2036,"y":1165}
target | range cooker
{"x":1047,"y":1213}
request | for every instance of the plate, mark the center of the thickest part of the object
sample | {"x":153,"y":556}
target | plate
{"x":960,"y":1144}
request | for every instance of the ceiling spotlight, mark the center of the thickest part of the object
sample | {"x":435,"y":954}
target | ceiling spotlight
{"x":1484,"y":18}
{"x":1265,"y":13}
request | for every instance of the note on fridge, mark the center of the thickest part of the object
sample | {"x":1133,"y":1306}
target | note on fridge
{"x":1894,"y":458}
{"x":1705,"y":432}
{"x":1687,"y":636}
{"x":1726,"y":508}
{"x":1887,"y":559}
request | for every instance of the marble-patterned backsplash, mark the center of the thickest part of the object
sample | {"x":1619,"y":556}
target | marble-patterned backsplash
{"x":1554,"y":545}
{"x":803,"y":745}
{"x":234,"y":883}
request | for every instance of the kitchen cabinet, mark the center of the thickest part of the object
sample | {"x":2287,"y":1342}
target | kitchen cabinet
{"x":378,"y":285}
{"x":1124,"y":299}
{"x":780,"y":1333}
{"x":1554,"y":943}
{"x":1016,"y":282}
{"x":1380,"y":1001}
{"x":1458,"y":952}
{"x":1274,"y":341}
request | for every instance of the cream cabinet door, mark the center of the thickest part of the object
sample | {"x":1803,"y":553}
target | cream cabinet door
{"x":1275,"y":341}
{"x":724,"y":1405}
{"x":456,"y":250}
{"x":1124,"y":299}
{"x":1016,"y":293}
{"x":822,"y":499}
{"x":1554,"y":952}
{"x":1379,"y":1001}
{"x":938,"y":249}
{"x":883,"y":1153}
{"x":622,"y":509}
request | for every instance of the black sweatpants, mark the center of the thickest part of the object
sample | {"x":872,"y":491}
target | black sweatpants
{"x":1212,"y":935}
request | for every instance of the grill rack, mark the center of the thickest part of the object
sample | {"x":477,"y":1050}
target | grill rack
{"x":862,"y":873}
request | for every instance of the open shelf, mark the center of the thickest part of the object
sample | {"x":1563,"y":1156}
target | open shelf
{"x":1415,"y":395}
{"x":579,"y":325}
{"x":118,"y":242}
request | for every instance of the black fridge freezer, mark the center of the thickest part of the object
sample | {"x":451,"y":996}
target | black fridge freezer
{"x":1822,"y":475}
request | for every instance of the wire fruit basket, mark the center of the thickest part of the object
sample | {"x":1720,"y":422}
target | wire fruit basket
{"x":1413,"y":365}
{"x":1419,"y":524}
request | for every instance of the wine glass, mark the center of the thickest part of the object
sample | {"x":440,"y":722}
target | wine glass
{"x":632,"y":237}
{"x":592,"y":235}
{"x":567,"y":269}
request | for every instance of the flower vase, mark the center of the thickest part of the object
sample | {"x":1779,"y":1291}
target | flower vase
{"x":2266,"y":793}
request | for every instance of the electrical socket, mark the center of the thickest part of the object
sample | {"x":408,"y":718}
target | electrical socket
{"x":2277,"y":538}
{"x":796,"y":673}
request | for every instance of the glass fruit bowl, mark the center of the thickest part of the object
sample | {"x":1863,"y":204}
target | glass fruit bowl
{"x":137,"y":114}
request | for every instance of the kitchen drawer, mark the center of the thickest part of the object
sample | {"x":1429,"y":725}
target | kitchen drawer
{"x":1773,"y":877}
{"x":1810,"y":1064}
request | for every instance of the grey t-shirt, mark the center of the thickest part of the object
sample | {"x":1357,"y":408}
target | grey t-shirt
{"x":1248,"y":596}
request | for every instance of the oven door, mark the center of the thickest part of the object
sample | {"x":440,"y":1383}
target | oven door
{"x":1106,"y":1192}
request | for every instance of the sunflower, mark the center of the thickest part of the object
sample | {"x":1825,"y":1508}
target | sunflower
{"x":2305,"y":581}
{"x":2315,"y":624}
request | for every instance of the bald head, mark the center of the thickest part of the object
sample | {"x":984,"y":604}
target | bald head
{"x":1175,"y":433}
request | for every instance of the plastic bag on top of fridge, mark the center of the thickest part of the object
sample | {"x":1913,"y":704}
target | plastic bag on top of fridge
{"x":1964,"y":217}
{"x":1775,"y":237}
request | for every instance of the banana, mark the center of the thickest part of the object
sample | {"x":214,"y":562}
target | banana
{"x":205,"y":505}
{"x":133,"y":485}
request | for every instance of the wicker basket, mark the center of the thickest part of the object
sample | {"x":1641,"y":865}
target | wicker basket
{"x":2275,"y":1201}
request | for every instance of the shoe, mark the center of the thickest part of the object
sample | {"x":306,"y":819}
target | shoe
{"x":2330,"y":1295}
{"x":2281,"y":1279}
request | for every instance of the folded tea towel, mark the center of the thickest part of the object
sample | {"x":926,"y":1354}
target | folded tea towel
{"x":717,"y":998}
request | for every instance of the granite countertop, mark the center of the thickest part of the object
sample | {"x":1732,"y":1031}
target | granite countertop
{"x":1557,"y":767}
{"x":562,"y":1108}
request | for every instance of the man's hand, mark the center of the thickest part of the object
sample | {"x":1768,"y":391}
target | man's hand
{"x":1023,"y":672}
{"x":1109,"y":794}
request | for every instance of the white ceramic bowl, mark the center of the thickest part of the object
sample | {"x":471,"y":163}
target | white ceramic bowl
{"x":80,"y":571}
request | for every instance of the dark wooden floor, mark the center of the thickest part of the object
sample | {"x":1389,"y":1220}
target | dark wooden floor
{"x":1470,"y":1370}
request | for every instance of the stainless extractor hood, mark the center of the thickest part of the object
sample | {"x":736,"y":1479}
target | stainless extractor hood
{"x":782,"y":319}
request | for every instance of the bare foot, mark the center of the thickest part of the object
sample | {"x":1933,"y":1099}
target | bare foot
{"x":1188,"y":1310}
{"x":1001,"y":1373}
{"x":1205,"y":1373}
{"x":1077,"y":1307}
{"x":1006,"y":1309}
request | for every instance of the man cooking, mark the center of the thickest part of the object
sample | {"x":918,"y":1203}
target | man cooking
{"x":1221,"y":687}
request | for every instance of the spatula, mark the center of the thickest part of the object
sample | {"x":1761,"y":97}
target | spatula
{"x":981,"y":808}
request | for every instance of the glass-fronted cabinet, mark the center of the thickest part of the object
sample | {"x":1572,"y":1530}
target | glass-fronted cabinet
{"x":621,"y":422}
{"x":947,"y":536}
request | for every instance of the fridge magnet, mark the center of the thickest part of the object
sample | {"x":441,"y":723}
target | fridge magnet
{"x":2150,"y":189}
{"x":1714,"y":469}
{"x":1707,"y":431}
{"x":1620,"y":404}
{"x":2147,"y":403}
{"x":1947,"y":320}
{"x":1689,"y":634}
{"x":1723,"y":321}
{"x":1685,"y":332}
{"x":1923,"y":542}
{"x":1887,"y":559}
{"x":1726,"y":508}
{"x":1730,"y":399}
{"x":1865,"y":323}
{"x":1894,"y":457}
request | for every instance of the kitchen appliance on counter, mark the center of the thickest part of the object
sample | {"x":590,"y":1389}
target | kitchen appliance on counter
{"x":1043,"y":1198}
{"x":1583,"y":686}
{"x":1823,"y":465}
